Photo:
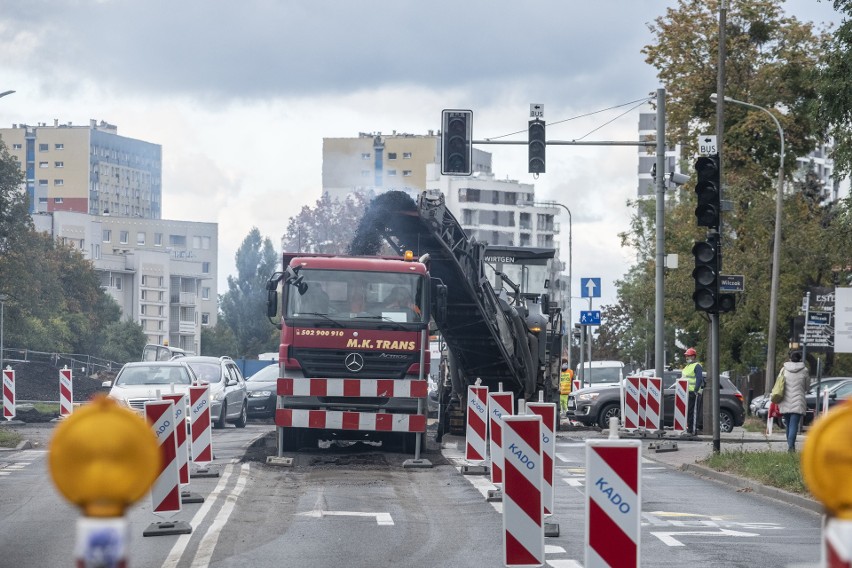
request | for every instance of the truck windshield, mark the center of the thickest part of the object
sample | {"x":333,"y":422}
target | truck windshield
{"x":357,"y":295}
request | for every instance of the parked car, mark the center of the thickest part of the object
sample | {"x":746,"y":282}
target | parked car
{"x":600,"y":373}
{"x":262,"y":387}
{"x":824,"y":384}
{"x":228,"y":397}
{"x":138,"y":382}
{"x":595,"y":405}
{"x":838,"y":391}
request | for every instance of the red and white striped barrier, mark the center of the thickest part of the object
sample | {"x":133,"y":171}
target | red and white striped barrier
{"x":547,"y":411}
{"x":613,"y":503}
{"x":837,"y":539}
{"x":681,"y":405}
{"x":346,"y":420}
{"x":179,"y":401}
{"x":200,"y":426}
{"x":500,"y":404}
{"x":165,"y":492}
{"x":477,"y":425}
{"x":66,"y":392}
{"x":643,"y":400}
{"x":576,"y":384}
{"x":523,"y":518}
{"x":8,"y":394}
{"x":630,"y":392}
{"x":381,"y":388}
{"x":653,"y":404}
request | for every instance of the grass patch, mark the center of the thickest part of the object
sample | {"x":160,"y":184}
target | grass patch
{"x":9,"y":439}
{"x":754,"y":424}
{"x":46,"y":407}
{"x":775,"y":469}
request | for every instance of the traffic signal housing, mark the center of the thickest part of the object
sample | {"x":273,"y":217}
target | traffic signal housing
{"x":537,"y":146}
{"x":708,"y":264}
{"x":456,"y":142}
{"x":708,"y":191}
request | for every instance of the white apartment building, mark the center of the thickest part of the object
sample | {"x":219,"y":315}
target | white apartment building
{"x":162,"y":273}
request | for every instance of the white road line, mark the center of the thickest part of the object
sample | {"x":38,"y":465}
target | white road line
{"x":574,"y":482}
{"x":208,"y":543}
{"x":179,"y":547}
{"x":564,"y":563}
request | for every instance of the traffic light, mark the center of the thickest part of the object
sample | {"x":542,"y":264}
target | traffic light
{"x":706,"y":275}
{"x":536,"y":146}
{"x":708,"y":191}
{"x":456,"y":143}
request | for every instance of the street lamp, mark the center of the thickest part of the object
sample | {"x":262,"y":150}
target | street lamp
{"x":3,"y":298}
{"x":570,"y":237}
{"x":776,"y":248}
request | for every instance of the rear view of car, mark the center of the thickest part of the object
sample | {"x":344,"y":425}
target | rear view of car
{"x":261,"y":388}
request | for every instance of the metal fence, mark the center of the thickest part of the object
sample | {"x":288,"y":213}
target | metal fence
{"x":86,"y":364}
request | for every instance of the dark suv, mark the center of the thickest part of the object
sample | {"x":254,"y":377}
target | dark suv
{"x":597,"y":404}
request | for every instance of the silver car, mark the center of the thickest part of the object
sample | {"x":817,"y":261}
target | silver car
{"x":228,"y":395}
{"x":140,"y":382}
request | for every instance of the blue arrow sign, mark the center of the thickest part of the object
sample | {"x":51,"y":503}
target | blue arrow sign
{"x":591,"y":317}
{"x":590,"y":287}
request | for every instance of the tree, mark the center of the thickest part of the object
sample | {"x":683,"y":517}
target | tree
{"x":833,"y":108}
{"x":244,"y":304}
{"x":123,"y":341}
{"x":218,"y":340}
{"x":327,"y":228}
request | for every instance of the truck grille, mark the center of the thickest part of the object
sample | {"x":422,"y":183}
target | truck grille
{"x":326,"y":363}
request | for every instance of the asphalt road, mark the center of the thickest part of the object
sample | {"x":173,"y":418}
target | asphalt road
{"x":356,"y":506}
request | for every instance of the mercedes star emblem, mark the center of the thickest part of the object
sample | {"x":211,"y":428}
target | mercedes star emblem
{"x":354,"y":362}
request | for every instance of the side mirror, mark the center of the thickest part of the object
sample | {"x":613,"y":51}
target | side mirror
{"x":271,"y":303}
{"x":440,"y":303}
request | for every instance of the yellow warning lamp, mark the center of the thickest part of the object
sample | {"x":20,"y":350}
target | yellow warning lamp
{"x":104,"y":458}
{"x":409,"y":256}
{"x":827,"y":460}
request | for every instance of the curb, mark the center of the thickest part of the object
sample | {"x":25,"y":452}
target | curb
{"x":23,"y":445}
{"x":760,"y":489}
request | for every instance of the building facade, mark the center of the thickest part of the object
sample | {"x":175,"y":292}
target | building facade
{"x":162,"y":273}
{"x":87,"y":169}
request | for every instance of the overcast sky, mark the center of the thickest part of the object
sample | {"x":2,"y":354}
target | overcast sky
{"x":240,"y":94}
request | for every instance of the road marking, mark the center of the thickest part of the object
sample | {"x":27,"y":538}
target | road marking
{"x":179,"y":547}
{"x":211,"y":537}
{"x":563,"y":563}
{"x":383,"y":519}
{"x":668,"y":537}
{"x":573,"y":481}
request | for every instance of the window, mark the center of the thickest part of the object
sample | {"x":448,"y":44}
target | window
{"x":43,"y":147}
{"x":123,"y":237}
{"x":59,"y":146}
{"x":391,"y":173}
{"x":17,"y":147}
{"x":177,"y":240}
{"x":115,"y":282}
{"x":42,"y":200}
{"x":57,"y":200}
{"x":144,"y":283}
{"x":406,"y":173}
{"x":42,"y":164}
{"x":205,"y":318}
{"x":406,"y":155}
{"x":467,"y":217}
{"x":365,"y":155}
{"x":205,"y":268}
{"x":59,"y":164}
{"x":140,"y":239}
{"x":205,"y":292}
{"x":42,"y":183}
{"x":391,"y":155}
{"x":196,"y":242}
{"x":366,"y":173}
{"x":158,"y":239}
{"x":59,"y":182}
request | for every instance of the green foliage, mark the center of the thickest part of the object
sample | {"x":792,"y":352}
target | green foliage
{"x":219,"y":340}
{"x":244,"y":304}
{"x":775,"y":469}
{"x":328,"y":227}
{"x":123,"y":341}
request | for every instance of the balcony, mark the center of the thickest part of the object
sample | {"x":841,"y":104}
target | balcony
{"x":182,"y":327}
{"x":184,"y":298}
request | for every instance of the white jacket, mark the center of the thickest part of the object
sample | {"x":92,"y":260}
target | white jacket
{"x":796,"y":381}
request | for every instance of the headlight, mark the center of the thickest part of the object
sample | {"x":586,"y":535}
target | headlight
{"x":588,"y":397}
{"x":259,"y":394}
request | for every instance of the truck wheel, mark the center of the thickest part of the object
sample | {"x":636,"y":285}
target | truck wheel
{"x":608,"y":412}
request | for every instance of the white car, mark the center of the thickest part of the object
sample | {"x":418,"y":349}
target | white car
{"x":140,"y":382}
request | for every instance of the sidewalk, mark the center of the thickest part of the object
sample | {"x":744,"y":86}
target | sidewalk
{"x":689,"y":452}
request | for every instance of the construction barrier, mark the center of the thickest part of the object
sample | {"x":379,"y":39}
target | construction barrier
{"x":382,"y":388}
{"x":613,"y":503}
{"x":499,"y":404}
{"x":179,"y":401}
{"x":653,"y":404}
{"x":8,"y":394}
{"x":547,"y":411}
{"x":681,"y":406}
{"x":838,"y":543}
{"x":576,"y":384}
{"x":630,"y":394}
{"x":477,"y":425}
{"x":66,"y":392}
{"x":643,"y":400}
{"x":165,"y":493}
{"x":200,"y":426}
{"x":350,"y":420}
{"x":523,"y":518}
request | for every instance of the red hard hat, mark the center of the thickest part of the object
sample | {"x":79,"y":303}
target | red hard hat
{"x":690,"y":352}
